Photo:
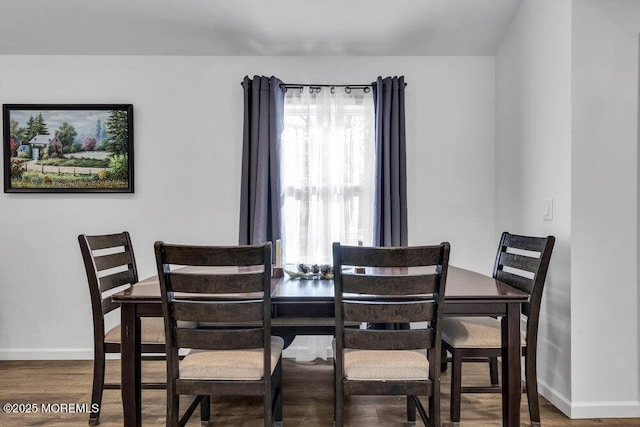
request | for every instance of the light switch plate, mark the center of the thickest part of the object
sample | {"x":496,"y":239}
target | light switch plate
{"x":548,"y":210}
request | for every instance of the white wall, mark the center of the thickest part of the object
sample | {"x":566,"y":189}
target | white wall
{"x":567,"y":128}
{"x":604,"y":177}
{"x":533,"y":163}
{"x":188,"y":136}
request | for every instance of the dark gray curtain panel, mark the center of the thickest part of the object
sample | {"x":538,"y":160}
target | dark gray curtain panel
{"x":261,"y":191}
{"x":390,"y":217}
{"x":390,"y":210}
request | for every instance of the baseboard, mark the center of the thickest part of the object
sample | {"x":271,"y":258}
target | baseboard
{"x":586,"y":410}
{"x":619,"y":409}
{"x":47,"y":354}
{"x":556,"y":398}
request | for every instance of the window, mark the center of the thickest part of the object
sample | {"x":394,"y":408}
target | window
{"x":328,"y":170}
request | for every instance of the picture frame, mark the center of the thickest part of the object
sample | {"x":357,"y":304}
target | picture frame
{"x":68,"y":148}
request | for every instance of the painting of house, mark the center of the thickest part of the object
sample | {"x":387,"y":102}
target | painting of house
{"x":42,"y":142}
{"x":52,"y":153}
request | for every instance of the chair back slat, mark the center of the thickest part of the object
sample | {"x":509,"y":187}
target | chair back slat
{"x":126,"y":277}
{"x":383,"y":312}
{"x":215,"y":283}
{"x":217,"y":311}
{"x":390,"y":284}
{"x":108,"y":241}
{"x":219,"y":339}
{"x":521,"y":283}
{"x":212,"y":256}
{"x":527,"y":243}
{"x":389,"y":340}
{"x":520,"y":262}
{"x":105,"y":262}
{"x":389,"y":257}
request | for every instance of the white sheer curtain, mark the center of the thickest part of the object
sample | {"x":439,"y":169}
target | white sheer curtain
{"x":328,"y":168}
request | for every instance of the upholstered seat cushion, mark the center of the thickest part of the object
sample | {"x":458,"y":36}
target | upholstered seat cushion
{"x":152,"y":331}
{"x":229,"y":364}
{"x":473,"y":332}
{"x":375,"y":365}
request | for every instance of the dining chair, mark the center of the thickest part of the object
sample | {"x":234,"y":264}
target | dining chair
{"x":390,"y":285}
{"x":111,"y":266}
{"x":226,"y":290}
{"x":522,"y":262}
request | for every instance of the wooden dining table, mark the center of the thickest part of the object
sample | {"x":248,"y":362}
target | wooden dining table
{"x":306,"y":307}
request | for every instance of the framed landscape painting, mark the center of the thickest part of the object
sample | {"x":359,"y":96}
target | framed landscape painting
{"x":68,"y":148}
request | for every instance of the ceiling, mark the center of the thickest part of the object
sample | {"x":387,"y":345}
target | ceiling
{"x":254,"y":27}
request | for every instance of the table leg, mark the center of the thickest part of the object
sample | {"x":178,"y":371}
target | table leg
{"x":511,"y":365}
{"x":131,"y":366}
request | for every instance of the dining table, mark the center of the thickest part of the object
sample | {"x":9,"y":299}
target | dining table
{"x":306,"y":307}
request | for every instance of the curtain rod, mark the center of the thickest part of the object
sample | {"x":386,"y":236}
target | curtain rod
{"x":318,"y":87}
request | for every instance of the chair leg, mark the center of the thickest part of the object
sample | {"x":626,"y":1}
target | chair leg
{"x":338,"y":395}
{"x":411,"y":411}
{"x":531,"y":377}
{"x":434,"y":408}
{"x":268,"y":409}
{"x":493,"y":370}
{"x":173,"y":408}
{"x":277,"y":412}
{"x":98,"y":386}
{"x":205,"y":410}
{"x":456,"y":387}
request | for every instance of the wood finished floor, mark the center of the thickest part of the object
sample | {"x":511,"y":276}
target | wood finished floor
{"x":308,"y":399}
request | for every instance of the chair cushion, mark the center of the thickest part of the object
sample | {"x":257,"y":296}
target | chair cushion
{"x":376,"y":365}
{"x":229,"y":364}
{"x":152,"y":330}
{"x":473,"y":332}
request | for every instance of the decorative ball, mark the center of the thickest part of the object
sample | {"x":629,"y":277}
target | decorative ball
{"x":302,"y":268}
